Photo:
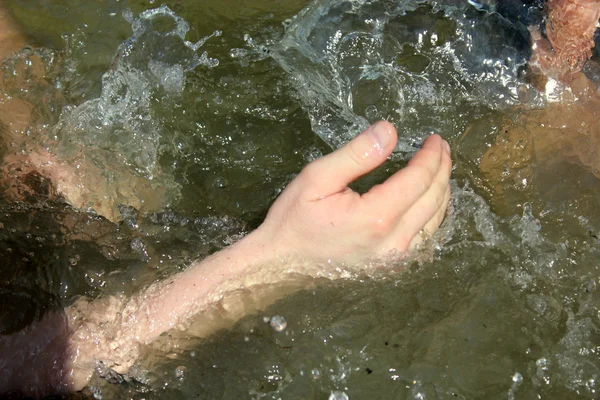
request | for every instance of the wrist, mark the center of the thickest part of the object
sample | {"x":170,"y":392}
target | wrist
{"x":261,"y":246}
{"x":234,"y":267}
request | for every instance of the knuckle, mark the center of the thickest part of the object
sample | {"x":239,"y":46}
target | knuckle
{"x":380,"y":227}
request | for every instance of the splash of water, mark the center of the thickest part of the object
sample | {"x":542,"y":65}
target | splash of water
{"x":120,"y":128}
{"x":411,"y":62}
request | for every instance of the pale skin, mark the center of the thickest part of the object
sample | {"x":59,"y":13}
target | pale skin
{"x":318,"y":227}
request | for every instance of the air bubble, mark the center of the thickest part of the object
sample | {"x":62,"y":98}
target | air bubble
{"x":278,"y":323}
{"x":180,"y":371}
{"x":315,"y":373}
{"x":137,"y":245}
{"x":221,"y":183}
{"x":74,"y":260}
{"x":542,"y":363}
{"x":371,"y":112}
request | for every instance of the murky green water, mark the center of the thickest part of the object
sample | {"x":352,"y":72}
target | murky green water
{"x":507,"y":306}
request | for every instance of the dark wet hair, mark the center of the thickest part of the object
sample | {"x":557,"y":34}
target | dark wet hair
{"x":18,"y":395}
{"x":20,"y":306}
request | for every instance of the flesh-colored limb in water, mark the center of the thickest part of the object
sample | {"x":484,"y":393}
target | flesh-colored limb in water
{"x":570,"y":28}
{"x":317,"y":228}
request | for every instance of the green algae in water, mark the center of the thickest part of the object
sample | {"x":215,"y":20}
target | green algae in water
{"x":507,"y":307}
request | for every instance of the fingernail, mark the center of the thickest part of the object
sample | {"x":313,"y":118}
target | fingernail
{"x":381,"y":133}
{"x":447,"y":147}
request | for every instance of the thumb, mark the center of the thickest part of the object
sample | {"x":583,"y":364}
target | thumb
{"x":332,"y":173}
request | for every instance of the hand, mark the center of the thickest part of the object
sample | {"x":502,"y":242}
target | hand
{"x":319,"y":217}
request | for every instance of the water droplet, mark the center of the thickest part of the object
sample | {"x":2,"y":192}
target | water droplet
{"x":517,"y":378}
{"x":337,"y":395}
{"x":542,"y":364}
{"x":278,"y":323}
{"x":315,"y":374}
{"x":180,"y":371}
{"x":96,"y":392}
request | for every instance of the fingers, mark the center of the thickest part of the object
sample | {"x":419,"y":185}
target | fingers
{"x":428,"y":212}
{"x":332,"y":173}
{"x":432,"y":225}
{"x":415,"y":197}
{"x":400,"y":191}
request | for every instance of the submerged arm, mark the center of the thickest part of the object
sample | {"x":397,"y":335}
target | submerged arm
{"x":317,"y":219}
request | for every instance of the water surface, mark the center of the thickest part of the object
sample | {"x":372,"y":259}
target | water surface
{"x":503,"y":304}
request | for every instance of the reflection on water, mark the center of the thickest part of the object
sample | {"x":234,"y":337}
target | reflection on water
{"x":507,"y":308}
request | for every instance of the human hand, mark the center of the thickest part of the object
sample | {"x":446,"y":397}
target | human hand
{"x":319,"y":217}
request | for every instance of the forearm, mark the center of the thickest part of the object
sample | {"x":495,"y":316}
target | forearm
{"x":110,"y":329}
{"x":171,"y":303}
{"x":58,"y":354}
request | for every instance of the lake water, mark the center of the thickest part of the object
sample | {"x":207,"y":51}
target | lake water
{"x":216,"y":105}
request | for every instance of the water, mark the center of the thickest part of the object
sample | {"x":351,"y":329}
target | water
{"x":504,"y":304}
{"x":410,"y":62}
